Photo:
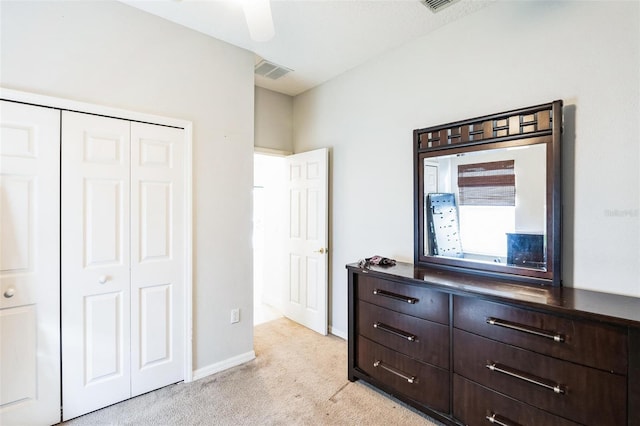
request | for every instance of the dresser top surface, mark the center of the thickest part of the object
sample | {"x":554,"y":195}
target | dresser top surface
{"x":624,"y":310}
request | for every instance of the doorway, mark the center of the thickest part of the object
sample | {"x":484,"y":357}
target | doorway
{"x":270,"y":219}
{"x":291,"y":238}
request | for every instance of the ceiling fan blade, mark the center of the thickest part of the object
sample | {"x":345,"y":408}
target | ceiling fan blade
{"x":259,"y":20}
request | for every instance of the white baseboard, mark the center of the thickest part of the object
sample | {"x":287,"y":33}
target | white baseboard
{"x":338,"y":333}
{"x":223,"y":365}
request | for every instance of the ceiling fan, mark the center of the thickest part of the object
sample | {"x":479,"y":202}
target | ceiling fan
{"x":259,"y":20}
{"x":257,"y":13}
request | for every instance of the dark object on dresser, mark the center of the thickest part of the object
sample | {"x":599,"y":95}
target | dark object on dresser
{"x":526,"y":250}
{"x":467,"y":349}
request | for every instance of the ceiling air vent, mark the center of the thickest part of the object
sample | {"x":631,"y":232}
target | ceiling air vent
{"x":271,"y":70}
{"x":437,"y":5}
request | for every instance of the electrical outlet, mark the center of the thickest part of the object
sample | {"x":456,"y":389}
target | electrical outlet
{"x":235,"y":315}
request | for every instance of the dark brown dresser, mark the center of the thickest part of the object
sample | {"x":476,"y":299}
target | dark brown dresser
{"x":473,"y":350}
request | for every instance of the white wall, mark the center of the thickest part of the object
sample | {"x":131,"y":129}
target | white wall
{"x":271,"y":226}
{"x":273,"y":120}
{"x":107,"y":53}
{"x":509,"y":55}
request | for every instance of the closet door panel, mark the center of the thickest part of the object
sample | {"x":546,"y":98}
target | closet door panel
{"x":19,"y":355}
{"x":103,"y":222}
{"x":29,"y":266}
{"x":157,"y":256}
{"x":155,"y":222}
{"x":95,"y":262}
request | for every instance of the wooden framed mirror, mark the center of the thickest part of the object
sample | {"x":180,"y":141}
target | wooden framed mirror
{"x":487,"y":194}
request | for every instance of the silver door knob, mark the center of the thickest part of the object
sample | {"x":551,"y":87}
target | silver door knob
{"x":103,"y":279}
{"x":8,"y":293}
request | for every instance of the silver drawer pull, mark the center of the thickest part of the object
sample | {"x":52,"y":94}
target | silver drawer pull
{"x":500,"y":420}
{"x":547,"y":384}
{"x":395,"y":331}
{"x":383,"y":293}
{"x":556,"y":337}
{"x":409,"y":379}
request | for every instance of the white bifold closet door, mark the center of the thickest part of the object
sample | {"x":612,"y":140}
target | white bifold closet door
{"x":29,"y":265}
{"x":122,"y":260}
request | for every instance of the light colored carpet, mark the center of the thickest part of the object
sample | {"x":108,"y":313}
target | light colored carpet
{"x":297,"y":378}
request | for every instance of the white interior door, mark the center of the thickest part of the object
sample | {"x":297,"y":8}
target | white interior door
{"x":157,"y":256}
{"x":95,"y":262}
{"x":29,"y":265}
{"x":306,"y":301}
{"x":430,"y":178}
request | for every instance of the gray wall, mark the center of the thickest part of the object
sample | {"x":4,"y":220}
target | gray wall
{"x":110,"y":54}
{"x":511,"y":54}
{"x":273,"y":120}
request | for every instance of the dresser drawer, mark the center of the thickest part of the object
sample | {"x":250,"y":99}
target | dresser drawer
{"x":582,"y":394}
{"x":588,"y":343}
{"x":409,"y":299}
{"x":421,"y":382}
{"x":475,"y":405}
{"x":418,"y":338}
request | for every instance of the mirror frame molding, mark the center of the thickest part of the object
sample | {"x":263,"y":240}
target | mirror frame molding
{"x":540,"y":124}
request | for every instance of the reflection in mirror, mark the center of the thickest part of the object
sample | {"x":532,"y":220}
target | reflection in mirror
{"x":487,"y":206}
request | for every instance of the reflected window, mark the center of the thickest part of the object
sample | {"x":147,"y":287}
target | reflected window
{"x":487,"y":194}
{"x":485,"y":230}
{"x":487,"y":184}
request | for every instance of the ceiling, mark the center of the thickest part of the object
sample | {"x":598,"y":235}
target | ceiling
{"x":317,"y":39}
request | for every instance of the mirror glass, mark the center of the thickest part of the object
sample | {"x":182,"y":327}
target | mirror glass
{"x":487,"y":206}
{"x":488,"y":194}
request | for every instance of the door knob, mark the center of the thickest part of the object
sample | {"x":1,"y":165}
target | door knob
{"x":8,"y":293}
{"x":322,"y":250}
{"x":103,"y":279}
